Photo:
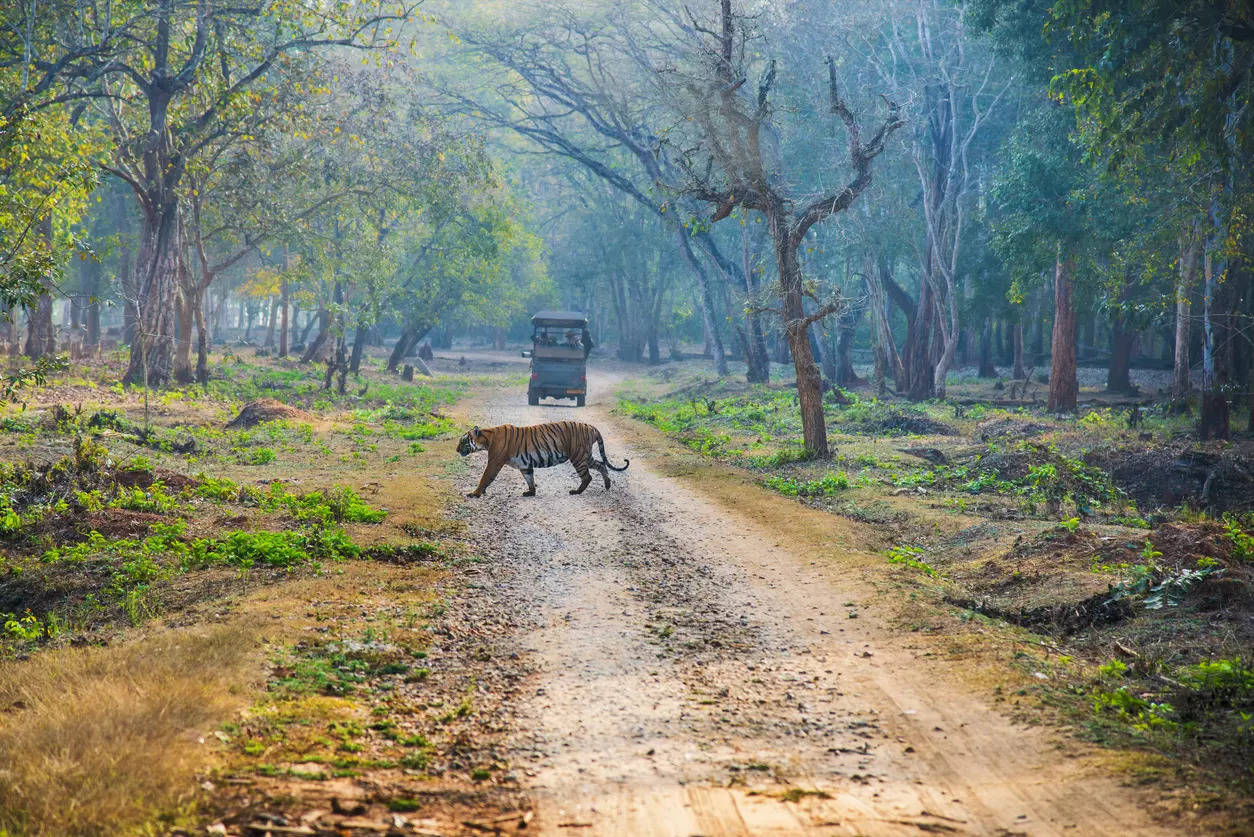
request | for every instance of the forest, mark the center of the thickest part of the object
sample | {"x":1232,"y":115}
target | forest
{"x":954,"y":296}
{"x":909,"y":191}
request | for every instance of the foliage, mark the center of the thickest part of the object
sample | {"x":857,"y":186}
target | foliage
{"x":1242,"y":541}
{"x":911,"y":556}
{"x":47,"y":171}
{"x":826,"y":485}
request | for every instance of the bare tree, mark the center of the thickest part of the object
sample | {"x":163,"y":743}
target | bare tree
{"x":930,"y":58}
{"x":728,"y":168}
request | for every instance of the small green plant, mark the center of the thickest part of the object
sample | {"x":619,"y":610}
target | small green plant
{"x":1141,"y":714}
{"x":827,"y":485}
{"x":1112,"y":669}
{"x":1070,"y":524}
{"x":154,"y":499}
{"x":217,"y":488}
{"x":1224,"y":681}
{"x":1101,"y":417}
{"x":1242,"y":542}
{"x":416,"y":761}
{"x":1171,"y":590}
{"x":404,"y":804}
{"x":27,"y":627}
{"x":911,"y":556}
{"x":340,"y":505}
{"x":259,"y":456}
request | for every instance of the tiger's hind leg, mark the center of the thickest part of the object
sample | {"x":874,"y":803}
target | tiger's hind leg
{"x":529,"y":476}
{"x":605,"y":472}
{"x":581,"y":466}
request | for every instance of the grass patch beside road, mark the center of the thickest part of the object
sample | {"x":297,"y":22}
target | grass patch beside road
{"x":155,"y":580}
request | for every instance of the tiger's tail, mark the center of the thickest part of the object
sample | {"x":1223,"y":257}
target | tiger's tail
{"x":606,"y":460}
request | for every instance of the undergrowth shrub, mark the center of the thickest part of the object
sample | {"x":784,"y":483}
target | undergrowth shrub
{"x":911,"y":556}
{"x":827,"y":485}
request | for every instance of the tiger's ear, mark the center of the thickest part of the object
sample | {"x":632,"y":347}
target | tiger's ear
{"x":475,"y":430}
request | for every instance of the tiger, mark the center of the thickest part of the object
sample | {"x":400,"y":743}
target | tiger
{"x":538,"y":446}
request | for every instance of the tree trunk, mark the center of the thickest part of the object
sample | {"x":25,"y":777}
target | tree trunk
{"x":825,"y":355}
{"x":93,"y":279}
{"x":271,"y":322}
{"x":156,"y":287}
{"x":651,"y":336}
{"x":359,"y":345}
{"x":403,"y":344}
{"x":846,"y":329}
{"x":809,"y":381}
{"x":1122,"y":340}
{"x":324,"y":331}
{"x":41,"y":334}
{"x":917,"y":353}
{"x":888,"y":359}
{"x":202,"y":337}
{"x":1019,"y":372}
{"x":283,"y":307}
{"x":1038,"y":331}
{"x":341,"y":362}
{"x":707,"y":302}
{"x":1180,"y":384}
{"x":1063,"y":387}
{"x":184,"y":318}
{"x":757,"y":359}
{"x":1213,"y":423}
{"x":310,"y":322}
{"x":629,"y":337}
{"x":8,"y":327}
{"x":987,"y":369}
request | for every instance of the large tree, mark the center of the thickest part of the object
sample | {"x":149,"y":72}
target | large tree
{"x":727,"y":167}
{"x":185,"y":74}
{"x":1177,"y":75}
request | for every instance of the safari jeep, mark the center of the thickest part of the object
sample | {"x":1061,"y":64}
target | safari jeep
{"x":559,"y":351}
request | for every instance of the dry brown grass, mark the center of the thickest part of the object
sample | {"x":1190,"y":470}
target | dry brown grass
{"x":100,"y":740}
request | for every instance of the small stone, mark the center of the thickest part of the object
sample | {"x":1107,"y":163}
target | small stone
{"x":348,"y":807}
{"x":362,"y":824}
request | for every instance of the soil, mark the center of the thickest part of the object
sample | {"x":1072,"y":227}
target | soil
{"x":263,"y":410}
{"x":905,"y":423}
{"x":1214,"y":475}
{"x":701,"y":664}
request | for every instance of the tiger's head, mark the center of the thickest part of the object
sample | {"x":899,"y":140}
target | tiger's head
{"x":473,"y":440}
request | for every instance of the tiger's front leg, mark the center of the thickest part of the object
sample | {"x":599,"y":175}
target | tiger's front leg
{"x":489,"y":474}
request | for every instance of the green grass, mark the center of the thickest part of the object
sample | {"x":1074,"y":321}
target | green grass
{"x":1203,"y":710}
{"x":825,"y":486}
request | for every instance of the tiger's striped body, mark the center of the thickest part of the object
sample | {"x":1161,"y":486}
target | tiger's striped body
{"x":539,"y":446}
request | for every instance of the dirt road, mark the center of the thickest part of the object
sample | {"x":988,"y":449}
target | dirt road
{"x":697,"y":673}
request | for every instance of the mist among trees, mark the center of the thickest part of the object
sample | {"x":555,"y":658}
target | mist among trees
{"x":836,"y":194}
